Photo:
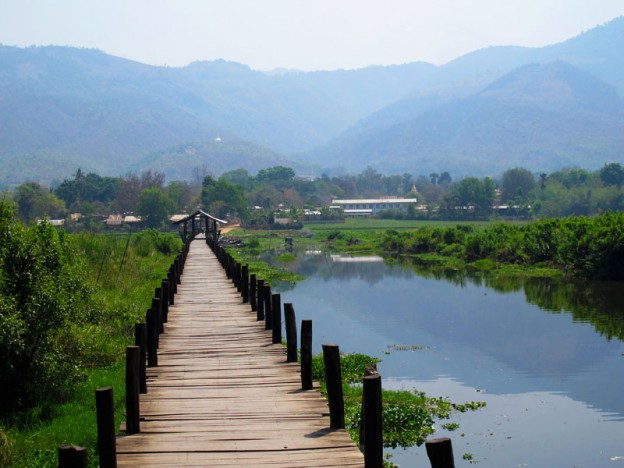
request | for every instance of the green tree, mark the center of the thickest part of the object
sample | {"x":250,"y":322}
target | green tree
{"x":612,"y":174}
{"x":154,"y":207}
{"x":86,"y":188}
{"x":275,"y":174}
{"x":181,"y":194}
{"x":222,"y":198}
{"x":471,"y":197}
{"x":43,"y":297}
{"x":239,"y":177}
{"x":35,"y":201}
{"x":517,"y":184}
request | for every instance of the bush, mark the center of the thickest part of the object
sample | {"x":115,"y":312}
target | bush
{"x":43,"y":293}
{"x":150,"y":240}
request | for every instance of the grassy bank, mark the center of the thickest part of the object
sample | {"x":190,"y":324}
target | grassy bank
{"x":121,"y":272}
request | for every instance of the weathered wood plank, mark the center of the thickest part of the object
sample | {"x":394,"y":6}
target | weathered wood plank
{"x":223,"y":395}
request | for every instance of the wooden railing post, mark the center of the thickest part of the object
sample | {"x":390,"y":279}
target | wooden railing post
{"x":306,"y":354}
{"x":372,"y":442}
{"x":291,"y":332}
{"x":260,"y":300}
{"x":245,"y":285}
{"x":174,"y":286}
{"x":237,"y":276}
{"x":228,"y":266}
{"x":71,"y":456}
{"x":152,"y":337}
{"x":157,"y":306}
{"x":440,"y":453}
{"x":276,"y":319}
{"x":253,"y":298}
{"x":132,"y":390}
{"x":140,"y":340}
{"x":333,"y":380}
{"x":165,"y":299}
{"x":105,"y":412}
{"x":268,"y":314}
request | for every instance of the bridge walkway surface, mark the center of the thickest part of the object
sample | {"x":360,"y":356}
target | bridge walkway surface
{"x":222,"y":394}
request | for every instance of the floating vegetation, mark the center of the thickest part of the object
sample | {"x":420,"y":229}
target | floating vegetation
{"x":407,"y":348}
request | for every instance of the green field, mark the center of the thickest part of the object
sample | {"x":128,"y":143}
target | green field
{"x":371,"y":224}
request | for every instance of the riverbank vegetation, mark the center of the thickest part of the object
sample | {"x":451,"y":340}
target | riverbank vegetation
{"x":68,"y":305}
{"x":583,"y":247}
{"x":409,"y":417}
{"x":591,"y":248}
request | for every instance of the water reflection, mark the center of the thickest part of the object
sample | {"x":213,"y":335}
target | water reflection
{"x":598,"y":303}
{"x":494,"y":336}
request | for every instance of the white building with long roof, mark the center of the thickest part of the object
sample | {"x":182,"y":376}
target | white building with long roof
{"x":372,"y":206}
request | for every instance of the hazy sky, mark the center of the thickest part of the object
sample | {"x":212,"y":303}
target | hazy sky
{"x":306,"y":35}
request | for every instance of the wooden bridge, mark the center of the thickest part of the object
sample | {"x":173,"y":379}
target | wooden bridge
{"x":208,"y":382}
{"x":222,"y":393}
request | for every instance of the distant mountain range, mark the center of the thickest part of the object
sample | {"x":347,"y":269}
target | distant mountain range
{"x":490,"y":110}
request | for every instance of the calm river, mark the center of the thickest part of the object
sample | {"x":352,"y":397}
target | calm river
{"x":546,"y":356}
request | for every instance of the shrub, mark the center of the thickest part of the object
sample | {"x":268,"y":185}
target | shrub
{"x":150,"y":240}
{"x":43,"y":292}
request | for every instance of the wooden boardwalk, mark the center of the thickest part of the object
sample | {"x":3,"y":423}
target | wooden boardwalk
{"x":222,"y":394}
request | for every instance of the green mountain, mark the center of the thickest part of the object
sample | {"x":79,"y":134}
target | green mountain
{"x":63,"y":108}
{"x":542,"y":117}
{"x":455,"y":121}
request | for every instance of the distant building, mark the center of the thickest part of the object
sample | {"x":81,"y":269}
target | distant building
{"x":372,"y":206}
{"x":114,"y":220}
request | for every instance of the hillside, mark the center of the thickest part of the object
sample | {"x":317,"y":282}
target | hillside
{"x":214,"y":156}
{"x":542,"y":117}
{"x":62,"y":108}
{"x":402,"y":134}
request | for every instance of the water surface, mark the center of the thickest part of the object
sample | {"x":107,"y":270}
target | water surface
{"x":545,"y":355}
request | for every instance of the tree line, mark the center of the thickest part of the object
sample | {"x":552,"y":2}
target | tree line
{"x":591,"y":248}
{"x":253,"y":199}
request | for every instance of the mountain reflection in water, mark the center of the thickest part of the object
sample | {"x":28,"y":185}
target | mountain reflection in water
{"x":497,"y":339}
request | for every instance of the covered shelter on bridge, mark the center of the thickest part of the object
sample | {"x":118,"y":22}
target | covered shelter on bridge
{"x":197,"y":222}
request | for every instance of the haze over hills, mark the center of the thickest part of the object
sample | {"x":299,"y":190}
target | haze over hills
{"x":544,"y":108}
{"x":542,"y":117}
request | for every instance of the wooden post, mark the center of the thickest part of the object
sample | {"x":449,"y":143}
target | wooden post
{"x":173,"y":286}
{"x":253,"y":299}
{"x":333,"y":379}
{"x":440,"y":453}
{"x":176,"y":267}
{"x":239,"y":274}
{"x":291,"y":333}
{"x":152,"y":337}
{"x":372,"y":442}
{"x":140,"y":340}
{"x":276,"y":319}
{"x":306,"y":354}
{"x":156,"y":305}
{"x":165,"y":299}
{"x":267,"y":307}
{"x":71,"y":456}
{"x":260,"y":301}
{"x":132,"y":390}
{"x":228,"y":266}
{"x":245,"y":285}
{"x":105,"y":412}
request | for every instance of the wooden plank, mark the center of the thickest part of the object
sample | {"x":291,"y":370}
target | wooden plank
{"x":223,"y":395}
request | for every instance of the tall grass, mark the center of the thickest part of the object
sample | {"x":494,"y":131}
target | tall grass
{"x":123,"y":272}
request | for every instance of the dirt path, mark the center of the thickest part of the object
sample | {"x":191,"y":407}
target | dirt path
{"x":229,"y":227}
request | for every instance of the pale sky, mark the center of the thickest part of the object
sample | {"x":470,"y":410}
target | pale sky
{"x":297,"y":34}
